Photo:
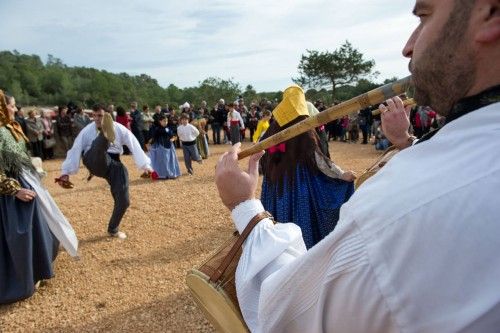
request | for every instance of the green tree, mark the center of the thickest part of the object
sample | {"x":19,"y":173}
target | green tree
{"x":249,"y":94}
{"x":212,"y":89}
{"x":333,"y":69}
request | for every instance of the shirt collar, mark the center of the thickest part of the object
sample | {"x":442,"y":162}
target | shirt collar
{"x":468,"y":104}
{"x":472,"y":103}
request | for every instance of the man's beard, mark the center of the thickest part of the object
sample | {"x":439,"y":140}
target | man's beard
{"x":446,"y":70}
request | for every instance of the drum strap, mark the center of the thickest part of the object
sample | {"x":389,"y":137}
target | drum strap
{"x":237,"y":245}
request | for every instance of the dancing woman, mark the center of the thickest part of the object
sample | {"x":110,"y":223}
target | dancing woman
{"x":302,"y":185}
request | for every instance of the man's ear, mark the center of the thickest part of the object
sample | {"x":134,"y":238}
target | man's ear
{"x":489,"y":28}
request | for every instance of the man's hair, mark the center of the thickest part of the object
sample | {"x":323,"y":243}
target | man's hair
{"x":266,"y":113}
{"x":98,"y":106}
{"x":120,"y":111}
{"x":145,"y":107}
{"x":161,"y":117}
{"x":184,"y":116}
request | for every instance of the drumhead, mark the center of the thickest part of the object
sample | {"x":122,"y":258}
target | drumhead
{"x":218,"y":308}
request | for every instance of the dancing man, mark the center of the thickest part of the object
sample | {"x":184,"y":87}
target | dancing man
{"x":99,"y":145}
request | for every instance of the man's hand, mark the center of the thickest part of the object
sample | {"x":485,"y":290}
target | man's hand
{"x":396,"y":122}
{"x":348,"y":176}
{"x":235,"y":185}
{"x":64,"y":182}
{"x":25,"y":195}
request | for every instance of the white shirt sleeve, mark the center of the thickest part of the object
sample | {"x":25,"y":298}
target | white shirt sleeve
{"x":141,"y":160}
{"x":281,"y":287}
{"x":281,"y":243}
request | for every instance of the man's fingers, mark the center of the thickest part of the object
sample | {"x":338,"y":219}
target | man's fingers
{"x":398,"y":102}
{"x":236,"y":148}
{"x":408,"y":110}
{"x":253,"y":163}
{"x":391,"y":104}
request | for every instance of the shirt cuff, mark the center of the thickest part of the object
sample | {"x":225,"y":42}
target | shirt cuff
{"x":244,"y":212}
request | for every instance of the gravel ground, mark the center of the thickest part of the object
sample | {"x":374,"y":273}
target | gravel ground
{"x":137,"y":285}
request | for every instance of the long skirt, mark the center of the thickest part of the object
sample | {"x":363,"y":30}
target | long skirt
{"x":202,"y":144}
{"x":29,"y":240}
{"x":313,"y":203}
{"x":164,"y":161}
{"x":235,"y":133}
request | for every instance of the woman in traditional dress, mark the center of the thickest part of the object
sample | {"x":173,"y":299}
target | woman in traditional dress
{"x":201,"y":141}
{"x":162,"y":152}
{"x":302,"y":185}
{"x":31,"y":224}
{"x":235,"y":124}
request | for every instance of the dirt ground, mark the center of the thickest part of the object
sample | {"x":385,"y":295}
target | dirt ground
{"x":137,"y":285}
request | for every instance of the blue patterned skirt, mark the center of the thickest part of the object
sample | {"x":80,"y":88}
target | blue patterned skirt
{"x":27,"y":247}
{"x":164,"y":161}
{"x":313,"y":203}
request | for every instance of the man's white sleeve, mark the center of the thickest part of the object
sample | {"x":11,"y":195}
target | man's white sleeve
{"x":266,"y":250}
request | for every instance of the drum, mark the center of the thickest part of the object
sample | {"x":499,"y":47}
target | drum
{"x":213,"y":287}
{"x":217,"y":299}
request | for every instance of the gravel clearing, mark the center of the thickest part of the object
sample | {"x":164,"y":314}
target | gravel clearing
{"x":137,"y":285}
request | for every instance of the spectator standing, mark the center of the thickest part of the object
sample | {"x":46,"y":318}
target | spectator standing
{"x":136,"y":125}
{"x":147,"y":121}
{"x":34,"y":133}
{"x":253,"y":120}
{"x":80,"y":120}
{"x":48,"y":136}
{"x":64,"y":128}
{"x":20,"y":119}
{"x":218,"y":116}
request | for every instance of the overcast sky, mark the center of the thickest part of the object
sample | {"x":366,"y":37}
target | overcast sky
{"x":183,"y":42}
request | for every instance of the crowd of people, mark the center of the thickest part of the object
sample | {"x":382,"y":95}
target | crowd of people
{"x":413,"y":249}
{"x":229,"y":123}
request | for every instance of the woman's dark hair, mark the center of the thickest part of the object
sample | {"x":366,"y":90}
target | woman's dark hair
{"x":279,"y":166}
{"x":145,"y":107}
{"x":120,"y":111}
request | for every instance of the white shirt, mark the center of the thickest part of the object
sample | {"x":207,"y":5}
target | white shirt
{"x":416,"y":248}
{"x":83,"y":142}
{"x":236,"y":116}
{"x":187,"y":133}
